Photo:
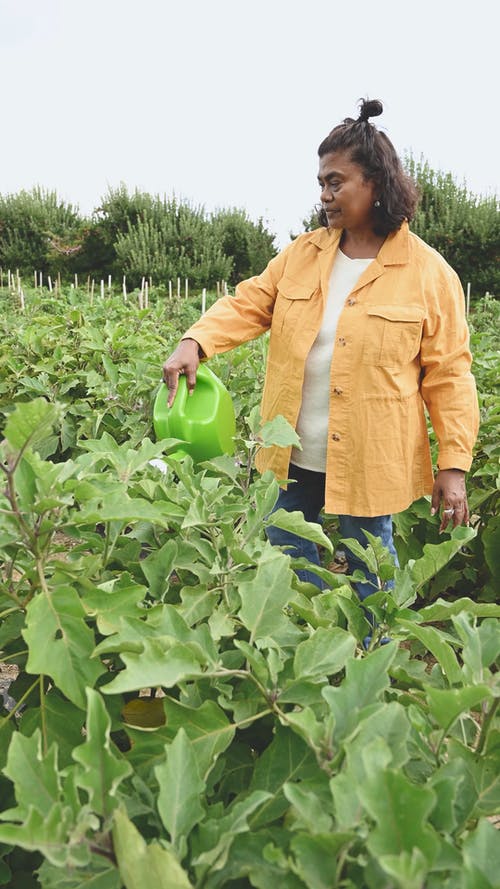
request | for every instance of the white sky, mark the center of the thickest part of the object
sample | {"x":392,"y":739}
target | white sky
{"x":224,"y":102}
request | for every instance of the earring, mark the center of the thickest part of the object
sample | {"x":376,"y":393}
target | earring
{"x":376,"y":204}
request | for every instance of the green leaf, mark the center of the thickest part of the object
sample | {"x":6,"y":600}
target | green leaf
{"x":481,"y":644}
{"x":158,"y":566}
{"x":491,"y":545}
{"x":31,"y":423}
{"x":442,"y":651}
{"x":97,"y":875}
{"x":309,"y":807}
{"x":60,"y":643}
{"x":437,"y":555}
{"x":264,"y":597}
{"x":324,"y":653}
{"x":50,"y":834}
{"x":365,"y":554}
{"x":111,"y":601}
{"x":157,"y":662}
{"x":285,"y":760}
{"x":122,"y":508}
{"x":62,"y":724}
{"x":316,"y":857}
{"x":446,"y":705}
{"x":481,"y":852}
{"x":409,"y":870}
{"x":207,"y":728}
{"x":141,"y":865}
{"x":220,"y":834}
{"x":180,"y":790}
{"x":400,"y":810}
{"x":366,"y":680}
{"x":295,"y":523}
{"x":102,"y":771}
{"x":442,"y":610}
{"x":35,"y":776}
{"x":278,"y":431}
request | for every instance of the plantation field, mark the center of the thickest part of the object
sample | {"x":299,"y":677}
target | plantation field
{"x":187,"y":712}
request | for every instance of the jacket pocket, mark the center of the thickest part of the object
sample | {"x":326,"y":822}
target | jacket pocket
{"x":290,"y":302}
{"x":392,"y":335}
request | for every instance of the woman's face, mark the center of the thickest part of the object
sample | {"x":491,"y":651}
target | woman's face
{"x":346,"y":196}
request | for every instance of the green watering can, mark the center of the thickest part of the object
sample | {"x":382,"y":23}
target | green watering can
{"x":204,"y":421}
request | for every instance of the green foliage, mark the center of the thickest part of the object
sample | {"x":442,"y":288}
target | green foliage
{"x":171,"y":239}
{"x":188,"y":713}
{"x":250,"y":245}
{"x":463,"y":227}
{"x":36,"y":228}
{"x":137,"y":234}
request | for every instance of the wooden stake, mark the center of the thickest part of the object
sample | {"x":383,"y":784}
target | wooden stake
{"x":76,"y":280}
{"x":170,"y":289}
{"x":467,"y":300}
{"x":124,"y":288}
{"x":146,"y":295}
{"x":186,"y":289}
{"x":92,"y":293}
{"x":21,"y":299}
{"x":178,"y":287}
{"x":203,"y":300}
{"x":109,"y":283}
{"x":35,"y":279}
{"x":218,"y":289}
{"x":49,"y":279}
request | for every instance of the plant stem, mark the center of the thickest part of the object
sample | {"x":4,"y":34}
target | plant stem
{"x":43,"y":716}
{"x":19,"y":703}
{"x":8,"y":657}
{"x":4,"y":614}
{"x":486,"y":726}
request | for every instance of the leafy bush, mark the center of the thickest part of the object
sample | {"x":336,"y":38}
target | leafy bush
{"x":38,"y":232}
{"x":137,"y":234}
{"x":169,"y":240}
{"x":250,"y":245}
{"x":463,"y":227}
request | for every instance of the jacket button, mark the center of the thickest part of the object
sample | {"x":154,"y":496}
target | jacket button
{"x":335,"y":437}
{"x":338,"y":391}
{"x":351,"y":301}
{"x":341,"y":341}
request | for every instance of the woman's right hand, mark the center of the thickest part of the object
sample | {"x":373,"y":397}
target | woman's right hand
{"x":184,"y":360}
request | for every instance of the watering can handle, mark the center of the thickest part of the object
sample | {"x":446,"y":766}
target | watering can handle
{"x":183,"y":361}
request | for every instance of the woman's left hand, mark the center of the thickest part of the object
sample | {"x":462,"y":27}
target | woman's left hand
{"x":449,"y":491}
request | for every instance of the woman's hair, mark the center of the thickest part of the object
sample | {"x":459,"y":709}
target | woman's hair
{"x":375,"y":154}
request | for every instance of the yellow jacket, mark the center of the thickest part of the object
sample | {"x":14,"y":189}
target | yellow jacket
{"x":401,"y":343}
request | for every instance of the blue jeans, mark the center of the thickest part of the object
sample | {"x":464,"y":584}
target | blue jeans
{"x":307,"y":494}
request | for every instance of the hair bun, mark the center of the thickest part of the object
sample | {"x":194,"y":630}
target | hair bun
{"x":369,"y":108}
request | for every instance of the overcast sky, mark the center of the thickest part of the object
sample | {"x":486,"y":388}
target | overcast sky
{"x":224,"y":102}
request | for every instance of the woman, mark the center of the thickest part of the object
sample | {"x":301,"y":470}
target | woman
{"x":367,"y":328}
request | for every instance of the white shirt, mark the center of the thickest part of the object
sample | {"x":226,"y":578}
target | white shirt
{"x":312,"y":424}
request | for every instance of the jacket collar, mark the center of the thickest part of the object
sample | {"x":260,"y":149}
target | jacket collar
{"x":394,"y":250}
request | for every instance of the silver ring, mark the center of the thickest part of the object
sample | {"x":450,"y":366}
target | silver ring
{"x":450,"y":510}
